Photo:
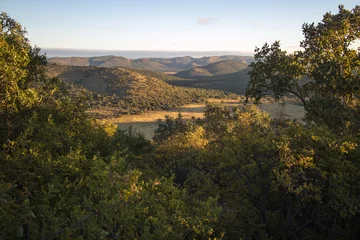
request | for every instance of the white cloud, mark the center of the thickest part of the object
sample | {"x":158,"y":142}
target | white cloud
{"x":207,"y":21}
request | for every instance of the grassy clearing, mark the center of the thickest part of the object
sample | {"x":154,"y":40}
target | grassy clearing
{"x":147,"y":123}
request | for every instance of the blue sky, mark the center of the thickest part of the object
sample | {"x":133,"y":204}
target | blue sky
{"x":196,"y":25}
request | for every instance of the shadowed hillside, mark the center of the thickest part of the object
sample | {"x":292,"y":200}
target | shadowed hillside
{"x":213,"y":69}
{"x":129,"y":91}
{"x":154,"y":64}
{"x":235,"y":82}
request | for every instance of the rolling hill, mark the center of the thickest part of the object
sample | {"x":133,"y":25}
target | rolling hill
{"x":213,"y":69}
{"x":153,"y":64}
{"x":129,"y":91}
{"x":235,"y":82}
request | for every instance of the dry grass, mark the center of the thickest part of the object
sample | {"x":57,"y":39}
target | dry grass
{"x":147,"y":123}
{"x":187,"y":111}
{"x":290,"y":110}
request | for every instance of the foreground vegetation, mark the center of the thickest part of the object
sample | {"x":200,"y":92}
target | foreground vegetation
{"x":236,"y":174}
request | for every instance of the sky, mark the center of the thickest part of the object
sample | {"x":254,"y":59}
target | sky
{"x":173,"y":25}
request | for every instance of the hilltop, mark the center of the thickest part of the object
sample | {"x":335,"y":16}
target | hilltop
{"x":213,"y":69}
{"x":129,"y":91}
{"x":153,"y":64}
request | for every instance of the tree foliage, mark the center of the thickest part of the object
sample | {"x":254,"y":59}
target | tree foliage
{"x":324,"y":75}
{"x":275,"y":179}
{"x":64,"y":177}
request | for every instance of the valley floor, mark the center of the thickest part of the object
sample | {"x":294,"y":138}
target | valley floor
{"x":147,"y":123}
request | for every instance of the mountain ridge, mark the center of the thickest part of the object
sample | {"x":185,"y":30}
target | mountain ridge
{"x":175,"y":64}
{"x":213,"y":69}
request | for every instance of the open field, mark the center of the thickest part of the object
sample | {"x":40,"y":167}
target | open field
{"x":147,"y":123}
{"x":289,"y":110}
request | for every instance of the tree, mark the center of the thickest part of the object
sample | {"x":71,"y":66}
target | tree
{"x":21,"y":66}
{"x":324,"y":75}
{"x":64,"y":177}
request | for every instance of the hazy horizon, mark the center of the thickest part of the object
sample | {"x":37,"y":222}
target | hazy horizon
{"x":135,"y":54}
{"x":187,"y":26}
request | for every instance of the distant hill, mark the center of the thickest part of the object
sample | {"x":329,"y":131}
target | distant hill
{"x":130,"y":91}
{"x":158,"y":75}
{"x":235,"y":82}
{"x":153,"y":64}
{"x":213,"y":69}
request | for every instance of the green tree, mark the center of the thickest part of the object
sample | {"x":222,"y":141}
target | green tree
{"x":275,"y":179}
{"x":21,"y":66}
{"x":64,"y":177}
{"x":324,"y":75}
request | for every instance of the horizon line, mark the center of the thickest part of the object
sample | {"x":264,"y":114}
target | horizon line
{"x":144,"y":50}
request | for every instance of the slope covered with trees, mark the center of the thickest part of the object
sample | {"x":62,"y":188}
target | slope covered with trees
{"x":130,"y":91}
{"x":236,"y":174}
